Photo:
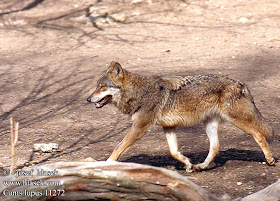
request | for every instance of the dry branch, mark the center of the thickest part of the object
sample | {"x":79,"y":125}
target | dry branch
{"x":108,"y":181}
{"x":14,"y":138}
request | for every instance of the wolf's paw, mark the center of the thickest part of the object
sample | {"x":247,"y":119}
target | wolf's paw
{"x":189,"y":168}
{"x":200,"y":167}
{"x":271,"y":162}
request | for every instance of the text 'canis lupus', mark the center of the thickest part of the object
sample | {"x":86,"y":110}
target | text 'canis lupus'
{"x":172,"y":101}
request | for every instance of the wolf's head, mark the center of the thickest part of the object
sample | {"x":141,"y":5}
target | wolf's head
{"x":108,"y":86}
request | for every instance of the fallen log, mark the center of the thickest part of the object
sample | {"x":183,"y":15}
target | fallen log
{"x":109,"y":181}
{"x":270,"y":193}
{"x":100,"y":181}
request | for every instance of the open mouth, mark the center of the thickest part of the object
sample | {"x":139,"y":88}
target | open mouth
{"x":103,"y":101}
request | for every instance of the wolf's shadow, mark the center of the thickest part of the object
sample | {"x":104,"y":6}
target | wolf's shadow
{"x":199,"y":157}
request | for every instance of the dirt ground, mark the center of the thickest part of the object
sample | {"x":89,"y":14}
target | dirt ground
{"x":52,"y":56}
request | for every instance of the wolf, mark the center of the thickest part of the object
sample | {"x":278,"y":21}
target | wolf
{"x":172,"y":101}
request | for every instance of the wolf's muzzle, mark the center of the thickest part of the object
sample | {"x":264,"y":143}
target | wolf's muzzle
{"x":89,"y":99}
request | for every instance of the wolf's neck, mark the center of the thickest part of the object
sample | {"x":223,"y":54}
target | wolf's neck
{"x":132,"y":89}
{"x":134,"y":80}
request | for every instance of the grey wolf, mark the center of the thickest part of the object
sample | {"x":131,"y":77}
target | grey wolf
{"x":172,"y":101}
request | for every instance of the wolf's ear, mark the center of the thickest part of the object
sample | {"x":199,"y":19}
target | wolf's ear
{"x":115,"y":69}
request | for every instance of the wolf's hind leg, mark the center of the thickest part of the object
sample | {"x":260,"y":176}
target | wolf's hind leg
{"x":173,"y":148}
{"x":212,"y":133}
{"x":244,"y":115}
{"x":256,"y":128}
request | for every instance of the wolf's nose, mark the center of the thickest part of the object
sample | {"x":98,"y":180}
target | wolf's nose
{"x":89,"y":100}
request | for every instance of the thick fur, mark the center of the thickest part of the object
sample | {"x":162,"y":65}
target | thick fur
{"x":172,"y":101}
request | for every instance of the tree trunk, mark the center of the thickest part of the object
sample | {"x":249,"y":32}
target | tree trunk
{"x":102,"y":181}
{"x":109,"y":181}
{"x":270,"y":193}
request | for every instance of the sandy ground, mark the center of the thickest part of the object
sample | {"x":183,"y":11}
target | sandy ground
{"x":51,"y":58}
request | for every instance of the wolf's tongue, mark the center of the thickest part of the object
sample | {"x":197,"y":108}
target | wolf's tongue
{"x":103,"y":102}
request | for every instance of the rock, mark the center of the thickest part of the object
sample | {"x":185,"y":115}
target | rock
{"x":43,"y":147}
{"x":118,"y":17}
{"x":243,"y":20}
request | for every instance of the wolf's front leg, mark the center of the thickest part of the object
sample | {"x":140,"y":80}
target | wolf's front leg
{"x":133,"y":135}
{"x":140,"y":126}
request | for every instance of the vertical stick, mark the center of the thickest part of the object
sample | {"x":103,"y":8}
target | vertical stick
{"x":14,"y":138}
{"x":12,"y":129}
{"x":12,"y":142}
{"x":16,"y":134}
